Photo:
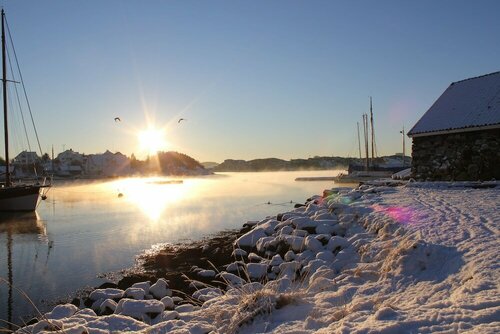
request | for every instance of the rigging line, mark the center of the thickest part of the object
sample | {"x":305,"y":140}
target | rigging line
{"x":24,"y":87}
{"x":353,"y":147}
{"x":19,"y":101}
{"x":19,"y":145}
{"x":14,"y":125}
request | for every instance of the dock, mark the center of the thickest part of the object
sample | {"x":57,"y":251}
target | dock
{"x":316,"y":178}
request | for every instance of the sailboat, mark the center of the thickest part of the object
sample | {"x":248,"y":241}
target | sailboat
{"x":371,"y":169}
{"x":14,"y":197}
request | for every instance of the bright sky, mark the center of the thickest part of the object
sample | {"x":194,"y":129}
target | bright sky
{"x":253,"y":79}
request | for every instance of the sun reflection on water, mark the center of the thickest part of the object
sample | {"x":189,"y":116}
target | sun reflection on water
{"x":152,"y":195}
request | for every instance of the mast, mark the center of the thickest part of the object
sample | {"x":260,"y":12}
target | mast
{"x":52,"y":160}
{"x":359,"y":142}
{"x":366,"y":134}
{"x":372,"y":131}
{"x":5,"y":126}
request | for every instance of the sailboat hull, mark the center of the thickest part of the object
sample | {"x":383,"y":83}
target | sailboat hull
{"x":22,"y":198}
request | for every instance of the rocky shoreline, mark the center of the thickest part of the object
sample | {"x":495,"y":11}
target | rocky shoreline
{"x":178,"y":263}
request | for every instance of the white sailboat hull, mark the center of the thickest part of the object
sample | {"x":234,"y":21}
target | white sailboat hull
{"x":24,"y":198}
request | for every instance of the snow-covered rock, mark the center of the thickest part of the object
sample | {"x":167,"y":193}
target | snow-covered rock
{"x":160,"y":289}
{"x":337,"y":243}
{"x":169,"y":315}
{"x":109,"y":293}
{"x":268,"y":226}
{"x":289,"y":269}
{"x":297,"y":244}
{"x":235,"y":267}
{"x":286,"y":230}
{"x":142,"y":285}
{"x":184,"y":308}
{"x":140,"y":309}
{"x":313,"y":265}
{"x":289,"y":256}
{"x":252,"y":257}
{"x":249,"y":239}
{"x":326,"y":256}
{"x":168,"y":302}
{"x":304,"y":223}
{"x":263,"y":243}
{"x":61,"y":311}
{"x":276,"y":260}
{"x":207,"y":294}
{"x":107,"y":307}
{"x":256,"y":271}
{"x":135,"y":293}
{"x":231,"y":279}
{"x":325,"y":229}
{"x":280,"y":285}
{"x":313,"y":244}
{"x":305,"y":256}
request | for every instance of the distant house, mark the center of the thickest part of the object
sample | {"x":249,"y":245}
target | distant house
{"x":69,"y":157}
{"x":458,"y":138}
{"x":26,"y":158}
{"x":26,"y":164}
{"x":69,"y":163}
{"x":107,"y":164}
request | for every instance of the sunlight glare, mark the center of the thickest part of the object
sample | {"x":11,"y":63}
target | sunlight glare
{"x":151,"y":195}
{"x":152,"y":140}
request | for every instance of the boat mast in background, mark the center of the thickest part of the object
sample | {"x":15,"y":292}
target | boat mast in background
{"x":373,"y":132}
{"x":366,"y":134}
{"x":5,"y":125}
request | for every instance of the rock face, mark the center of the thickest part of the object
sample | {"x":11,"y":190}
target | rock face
{"x":467,"y":156}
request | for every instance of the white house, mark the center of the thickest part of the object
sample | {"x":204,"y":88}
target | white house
{"x":70,"y":163}
{"x":26,"y":158}
{"x":107,"y":164}
{"x":69,"y":156}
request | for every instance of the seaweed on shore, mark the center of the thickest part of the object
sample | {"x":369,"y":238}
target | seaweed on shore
{"x":175,"y":262}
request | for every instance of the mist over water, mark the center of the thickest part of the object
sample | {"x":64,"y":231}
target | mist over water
{"x":89,"y":228}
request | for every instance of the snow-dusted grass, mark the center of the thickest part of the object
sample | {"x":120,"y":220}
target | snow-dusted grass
{"x":421,"y":258}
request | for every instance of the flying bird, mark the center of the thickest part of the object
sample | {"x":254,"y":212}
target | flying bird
{"x":181,"y":119}
{"x":117,"y":119}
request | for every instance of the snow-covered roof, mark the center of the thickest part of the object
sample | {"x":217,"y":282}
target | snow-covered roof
{"x":27,"y":154}
{"x":466,"y":105}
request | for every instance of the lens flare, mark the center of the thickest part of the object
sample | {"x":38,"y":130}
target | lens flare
{"x":403,"y":215}
{"x":152,"y":140}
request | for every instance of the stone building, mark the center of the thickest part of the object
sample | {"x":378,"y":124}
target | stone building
{"x":458,"y":138}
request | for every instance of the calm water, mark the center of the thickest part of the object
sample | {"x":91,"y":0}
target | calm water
{"x":85,"y":229}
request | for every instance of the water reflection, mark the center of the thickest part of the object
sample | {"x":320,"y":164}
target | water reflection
{"x":151,"y":195}
{"x":11,"y":224}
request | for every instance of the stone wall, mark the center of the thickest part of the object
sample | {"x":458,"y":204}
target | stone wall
{"x":462,"y":156}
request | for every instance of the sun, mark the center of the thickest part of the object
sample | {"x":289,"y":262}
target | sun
{"x":152,"y":140}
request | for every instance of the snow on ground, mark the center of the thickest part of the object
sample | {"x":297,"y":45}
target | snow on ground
{"x":421,"y":258}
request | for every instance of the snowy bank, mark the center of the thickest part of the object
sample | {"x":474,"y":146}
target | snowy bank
{"x":419,"y":258}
